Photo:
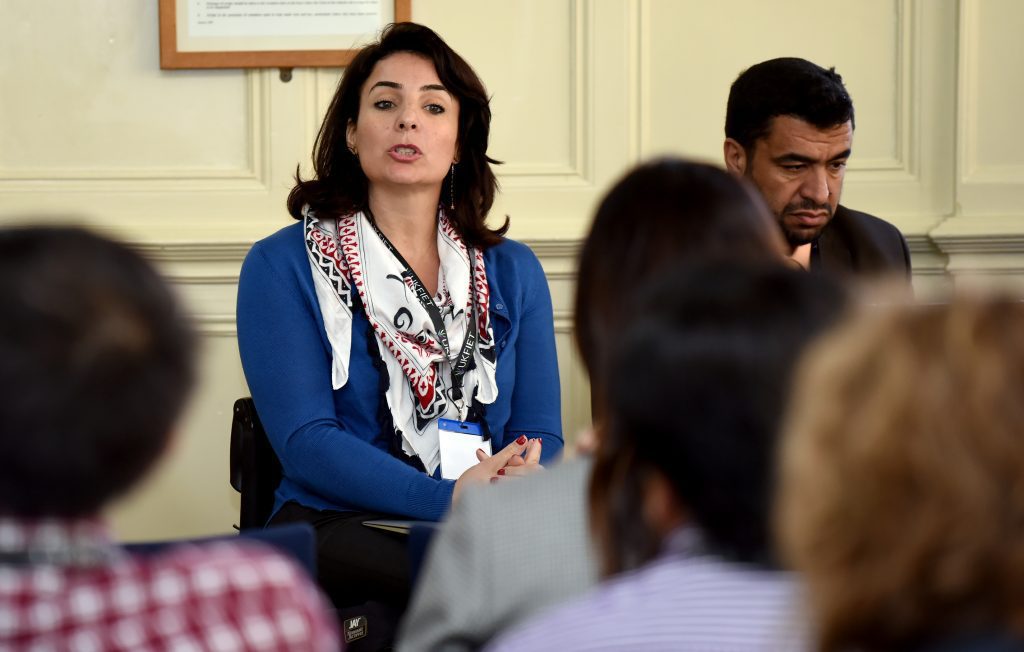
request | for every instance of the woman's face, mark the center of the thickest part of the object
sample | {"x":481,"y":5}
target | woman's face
{"x":408,"y":126}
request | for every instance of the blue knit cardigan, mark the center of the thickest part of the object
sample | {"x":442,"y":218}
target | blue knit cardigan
{"x":332,"y":444}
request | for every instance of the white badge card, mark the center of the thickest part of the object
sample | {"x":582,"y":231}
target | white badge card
{"x":459,"y":441}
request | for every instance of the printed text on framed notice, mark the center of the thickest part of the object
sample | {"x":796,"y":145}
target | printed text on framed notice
{"x":271,"y":33}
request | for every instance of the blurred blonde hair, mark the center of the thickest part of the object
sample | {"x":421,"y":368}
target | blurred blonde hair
{"x":902,"y":486}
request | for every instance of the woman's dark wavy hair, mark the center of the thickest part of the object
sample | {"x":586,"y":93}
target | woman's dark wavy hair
{"x":658,"y":214}
{"x":339,"y":186}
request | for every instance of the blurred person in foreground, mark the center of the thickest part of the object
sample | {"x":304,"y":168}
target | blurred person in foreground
{"x":96,"y":362}
{"x":902,"y":501}
{"x":481,"y":575}
{"x":681,"y":490}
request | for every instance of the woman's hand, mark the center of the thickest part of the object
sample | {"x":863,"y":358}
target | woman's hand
{"x":526,"y":464}
{"x":523,"y":455}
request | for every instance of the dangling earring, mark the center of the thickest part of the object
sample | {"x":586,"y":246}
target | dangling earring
{"x":451,"y":190}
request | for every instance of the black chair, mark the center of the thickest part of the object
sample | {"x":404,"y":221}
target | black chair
{"x":255,"y":470}
{"x":255,"y":473}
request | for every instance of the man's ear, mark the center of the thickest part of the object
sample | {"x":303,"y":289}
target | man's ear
{"x":735,"y":157}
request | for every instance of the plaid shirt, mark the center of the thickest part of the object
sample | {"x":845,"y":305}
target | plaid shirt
{"x":65,"y":586}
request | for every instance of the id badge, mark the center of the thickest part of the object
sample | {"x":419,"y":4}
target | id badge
{"x":459,"y":441}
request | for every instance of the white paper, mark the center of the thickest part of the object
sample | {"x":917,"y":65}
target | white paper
{"x":258,"y":18}
{"x":458,"y":452}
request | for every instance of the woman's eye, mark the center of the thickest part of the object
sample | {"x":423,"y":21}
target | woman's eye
{"x":436,"y":109}
{"x":384,"y":105}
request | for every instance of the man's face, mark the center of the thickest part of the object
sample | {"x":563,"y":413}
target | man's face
{"x":799,"y":170}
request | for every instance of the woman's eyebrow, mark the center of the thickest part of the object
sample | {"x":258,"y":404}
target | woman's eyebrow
{"x":396,"y":85}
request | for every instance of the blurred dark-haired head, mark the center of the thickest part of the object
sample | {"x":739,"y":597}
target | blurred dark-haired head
{"x":698,"y":382}
{"x":657,"y":215}
{"x":340,"y":187}
{"x":96,"y":361}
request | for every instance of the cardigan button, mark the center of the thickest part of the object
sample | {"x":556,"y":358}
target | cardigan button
{"x":499,"y":307}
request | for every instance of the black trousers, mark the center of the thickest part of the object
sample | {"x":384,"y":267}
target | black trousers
{"x":355,"y":563}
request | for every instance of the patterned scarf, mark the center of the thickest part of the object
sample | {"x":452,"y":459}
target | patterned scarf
{"x":346,"y":255}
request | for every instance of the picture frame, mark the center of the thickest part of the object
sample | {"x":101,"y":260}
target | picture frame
{"x":273,"y":34}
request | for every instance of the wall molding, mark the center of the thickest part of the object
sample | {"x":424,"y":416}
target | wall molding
{"x":578,"y":171}
{"x":983,"y":187}
{"x":1003,"y":234}
{"x":554,"y":247}
{"x":962,"y":245}
{"x":967,"y":100}
{"x":213,"y":325}
{"x":902,"y":165}
{"x":198,"y":251}
{"x":981,"y":233}
{"x":192,"y":251}
{"x":253,"y":177}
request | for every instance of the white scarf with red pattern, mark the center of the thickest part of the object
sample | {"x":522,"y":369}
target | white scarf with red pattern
{"x":346,"y":255}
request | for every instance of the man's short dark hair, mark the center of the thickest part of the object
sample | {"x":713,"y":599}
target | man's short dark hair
{"x":96,"y":361}
{"x":785,"y":86}
{"x":698,"y":385}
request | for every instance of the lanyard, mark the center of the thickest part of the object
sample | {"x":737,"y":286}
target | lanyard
{"x":461,"y":365}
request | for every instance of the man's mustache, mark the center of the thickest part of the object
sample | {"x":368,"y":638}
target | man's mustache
{"x":809,"y":205}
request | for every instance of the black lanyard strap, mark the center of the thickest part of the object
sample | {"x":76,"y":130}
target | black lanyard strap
{"x":461,"y":364}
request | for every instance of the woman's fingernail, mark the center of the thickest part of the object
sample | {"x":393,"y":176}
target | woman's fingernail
{"x":501,"y":471}
{"x":521,"y":440}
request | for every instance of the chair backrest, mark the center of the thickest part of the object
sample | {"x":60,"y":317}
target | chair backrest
{"x":255,"y":470}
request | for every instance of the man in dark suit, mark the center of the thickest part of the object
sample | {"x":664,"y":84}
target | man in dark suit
{"x":789,"y":130}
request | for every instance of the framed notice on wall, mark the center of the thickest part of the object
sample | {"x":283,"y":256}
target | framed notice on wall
{"x":271,"y":33}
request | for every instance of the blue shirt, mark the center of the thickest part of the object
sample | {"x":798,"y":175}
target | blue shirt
{"x":685,"y":600}
{"x":332,"y":446}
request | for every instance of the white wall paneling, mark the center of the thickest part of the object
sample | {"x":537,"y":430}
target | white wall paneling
{"x":985,"y":238}
{"x":194,"y":166}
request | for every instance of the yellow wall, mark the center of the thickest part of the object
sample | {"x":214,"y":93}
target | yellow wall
{"x":193,"y":166}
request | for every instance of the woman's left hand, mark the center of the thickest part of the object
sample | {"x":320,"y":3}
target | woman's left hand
{"x":526,"y":464}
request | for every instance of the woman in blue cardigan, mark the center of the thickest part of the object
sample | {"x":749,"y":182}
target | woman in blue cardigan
{"x":390,"y":312}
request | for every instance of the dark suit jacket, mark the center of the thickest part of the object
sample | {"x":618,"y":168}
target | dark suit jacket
{"x":860,"y":244}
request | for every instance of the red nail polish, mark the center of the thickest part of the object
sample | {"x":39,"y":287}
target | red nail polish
{"x":501,"y":471}
{"x":521,"y":440}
